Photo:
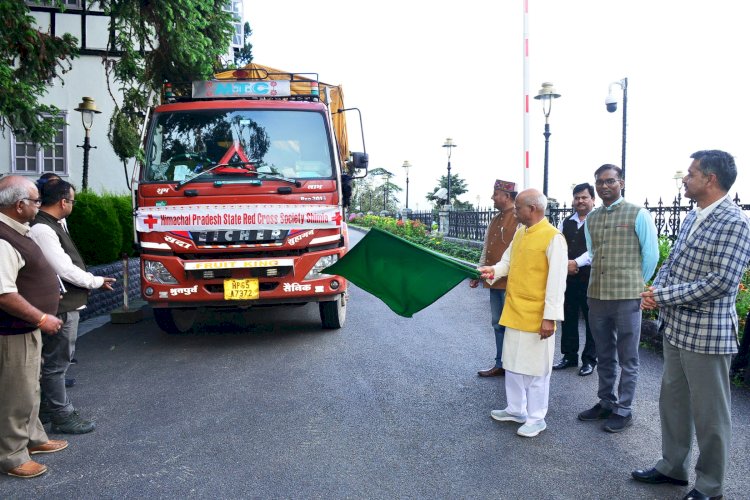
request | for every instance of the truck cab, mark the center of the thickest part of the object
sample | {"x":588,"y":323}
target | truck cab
{"x":240,"y":200}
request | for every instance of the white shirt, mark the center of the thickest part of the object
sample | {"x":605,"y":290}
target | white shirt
{"x":60,"y":261}
{"x":702,"y":213}
{"x":11,"y":260}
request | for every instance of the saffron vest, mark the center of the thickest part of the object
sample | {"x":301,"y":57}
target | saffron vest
{"x":616,"y":263}
{"x":36,"y":282}
{"x":75,"y":296}
{"x":527,"y":277}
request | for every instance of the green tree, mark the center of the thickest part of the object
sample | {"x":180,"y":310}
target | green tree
{"x":29,"y":61}
{"x":458,"y":187}
{"x":154,"y":42}
{"x":245,"y":54}
{"x":384,"y":194}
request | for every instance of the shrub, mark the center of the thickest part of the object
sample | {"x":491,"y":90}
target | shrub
{"x":95,"y":228}
{"x":124,"y":209}
{"x":416,"y":232}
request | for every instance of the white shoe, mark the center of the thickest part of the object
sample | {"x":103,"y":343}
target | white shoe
{"x":531,"y":430}
{"x":504,"y":416}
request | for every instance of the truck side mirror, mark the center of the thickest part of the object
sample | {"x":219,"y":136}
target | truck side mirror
{"x":360,"y":161}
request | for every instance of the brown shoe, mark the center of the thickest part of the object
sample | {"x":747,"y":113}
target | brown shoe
{"x":492,"y":372}
{"x":50,"y":446}
{"x":28,"y":470}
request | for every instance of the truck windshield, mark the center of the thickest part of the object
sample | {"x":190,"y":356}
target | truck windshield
{"x":291,"y":144}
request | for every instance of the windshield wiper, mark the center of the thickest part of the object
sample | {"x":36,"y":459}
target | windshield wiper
{"x":279,"y":178}
{"x":199,"y":174}
{"x":243,"y":165}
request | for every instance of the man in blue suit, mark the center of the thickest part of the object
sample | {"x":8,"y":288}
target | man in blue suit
{"x":695,"y":291}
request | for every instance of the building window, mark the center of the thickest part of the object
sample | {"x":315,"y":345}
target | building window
{"x":237,"y":36}
{"x":75,"y":4}
{"x":30,"y":158}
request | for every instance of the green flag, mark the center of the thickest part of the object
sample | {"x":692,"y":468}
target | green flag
{"x":405,"y":276}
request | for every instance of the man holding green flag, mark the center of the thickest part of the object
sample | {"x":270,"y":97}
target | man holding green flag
{"x":536,"y":263}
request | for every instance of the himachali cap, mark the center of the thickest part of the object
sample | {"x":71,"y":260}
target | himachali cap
{"x":505,"y":186}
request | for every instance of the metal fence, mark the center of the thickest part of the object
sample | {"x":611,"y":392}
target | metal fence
{"x":472,"y":225}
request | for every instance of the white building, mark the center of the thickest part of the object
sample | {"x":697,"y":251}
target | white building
{"x":86,"y":78}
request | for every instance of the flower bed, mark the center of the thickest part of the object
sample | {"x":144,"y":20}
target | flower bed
{"x":416,"y":232}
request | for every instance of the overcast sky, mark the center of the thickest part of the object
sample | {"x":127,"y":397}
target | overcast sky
{"x":421,"y":71}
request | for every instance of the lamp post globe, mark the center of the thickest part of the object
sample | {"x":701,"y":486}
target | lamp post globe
{"x":546,"y":94}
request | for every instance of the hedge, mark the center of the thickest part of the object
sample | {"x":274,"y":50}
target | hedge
{"x":102,"y":227}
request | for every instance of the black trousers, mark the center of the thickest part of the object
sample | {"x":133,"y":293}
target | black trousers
{"x":575,"y":304}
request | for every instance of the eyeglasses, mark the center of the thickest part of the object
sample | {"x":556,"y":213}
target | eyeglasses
{"x":609,"y":182}
{"x":37,"y":201}
{"x":72,"y":202}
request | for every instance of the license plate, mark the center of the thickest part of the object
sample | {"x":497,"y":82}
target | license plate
{"x":246,"y":289}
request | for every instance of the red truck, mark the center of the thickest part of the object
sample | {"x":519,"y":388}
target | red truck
{"x":240,"y":200}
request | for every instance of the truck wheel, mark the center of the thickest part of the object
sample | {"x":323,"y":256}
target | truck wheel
{"x":333,"y":314}
{"x":175,"y":321}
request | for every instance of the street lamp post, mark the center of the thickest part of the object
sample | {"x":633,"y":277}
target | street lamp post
{"x":546,"y":95}
{"x":87,"y":108}
{"x":611,"y":103}
{"x":449,"y":144}
{"x":406,"y":167}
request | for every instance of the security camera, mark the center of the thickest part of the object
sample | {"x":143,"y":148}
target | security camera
{"x":611,"y":103}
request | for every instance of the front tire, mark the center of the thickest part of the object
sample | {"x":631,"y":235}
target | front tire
{"x":175,"y":321}
{"x":333,"y":313}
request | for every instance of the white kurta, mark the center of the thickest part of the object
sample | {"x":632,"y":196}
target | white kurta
{"x":526,"y":352}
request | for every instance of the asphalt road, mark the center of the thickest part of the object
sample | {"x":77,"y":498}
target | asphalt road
{"x":266,"y":404}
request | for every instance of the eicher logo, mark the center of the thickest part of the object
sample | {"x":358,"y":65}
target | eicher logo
{"x":296,"y":239}
{"x":314,"y":186}
{"x":162,"y":190}
{"x":177,"y":242}
{"x":183,"y":291}
{"x":296,"y":287}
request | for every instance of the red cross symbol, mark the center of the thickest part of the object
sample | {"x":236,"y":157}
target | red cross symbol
{"x":150,"y":221}
{"x":337,"y":218}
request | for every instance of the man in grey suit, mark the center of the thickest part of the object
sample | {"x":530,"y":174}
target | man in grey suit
{"x":695,"y":291}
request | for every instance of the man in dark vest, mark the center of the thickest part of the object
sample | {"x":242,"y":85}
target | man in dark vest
{"x":500,"y":232}
{"x":622,"y":240}
{"x":50,"y":232}
{"x":579,"y":269}
{"x":29,"y":292}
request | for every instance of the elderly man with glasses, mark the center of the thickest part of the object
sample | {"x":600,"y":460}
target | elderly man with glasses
{"x":29,"y":294}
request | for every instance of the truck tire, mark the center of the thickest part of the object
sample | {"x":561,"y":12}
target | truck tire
{"x":175,"y":321}
{"x":333,"y":313}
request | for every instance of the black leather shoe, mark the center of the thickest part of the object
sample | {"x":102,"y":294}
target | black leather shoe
{"x":564,"y":363}
{"x":653,"y":476}
{"x":617,"y":423}
{"x":595,"y":413}
{"x":492,"y":372}
{"x":585,"y":370}
{"x":697,"y":495}
{"x":70,"y":382}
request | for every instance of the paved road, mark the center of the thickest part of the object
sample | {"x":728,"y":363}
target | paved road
{"x":265,"y":404}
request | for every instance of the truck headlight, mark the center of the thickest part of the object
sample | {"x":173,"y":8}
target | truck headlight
{"x":323,"y":262}
{"x":155,"y":272}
